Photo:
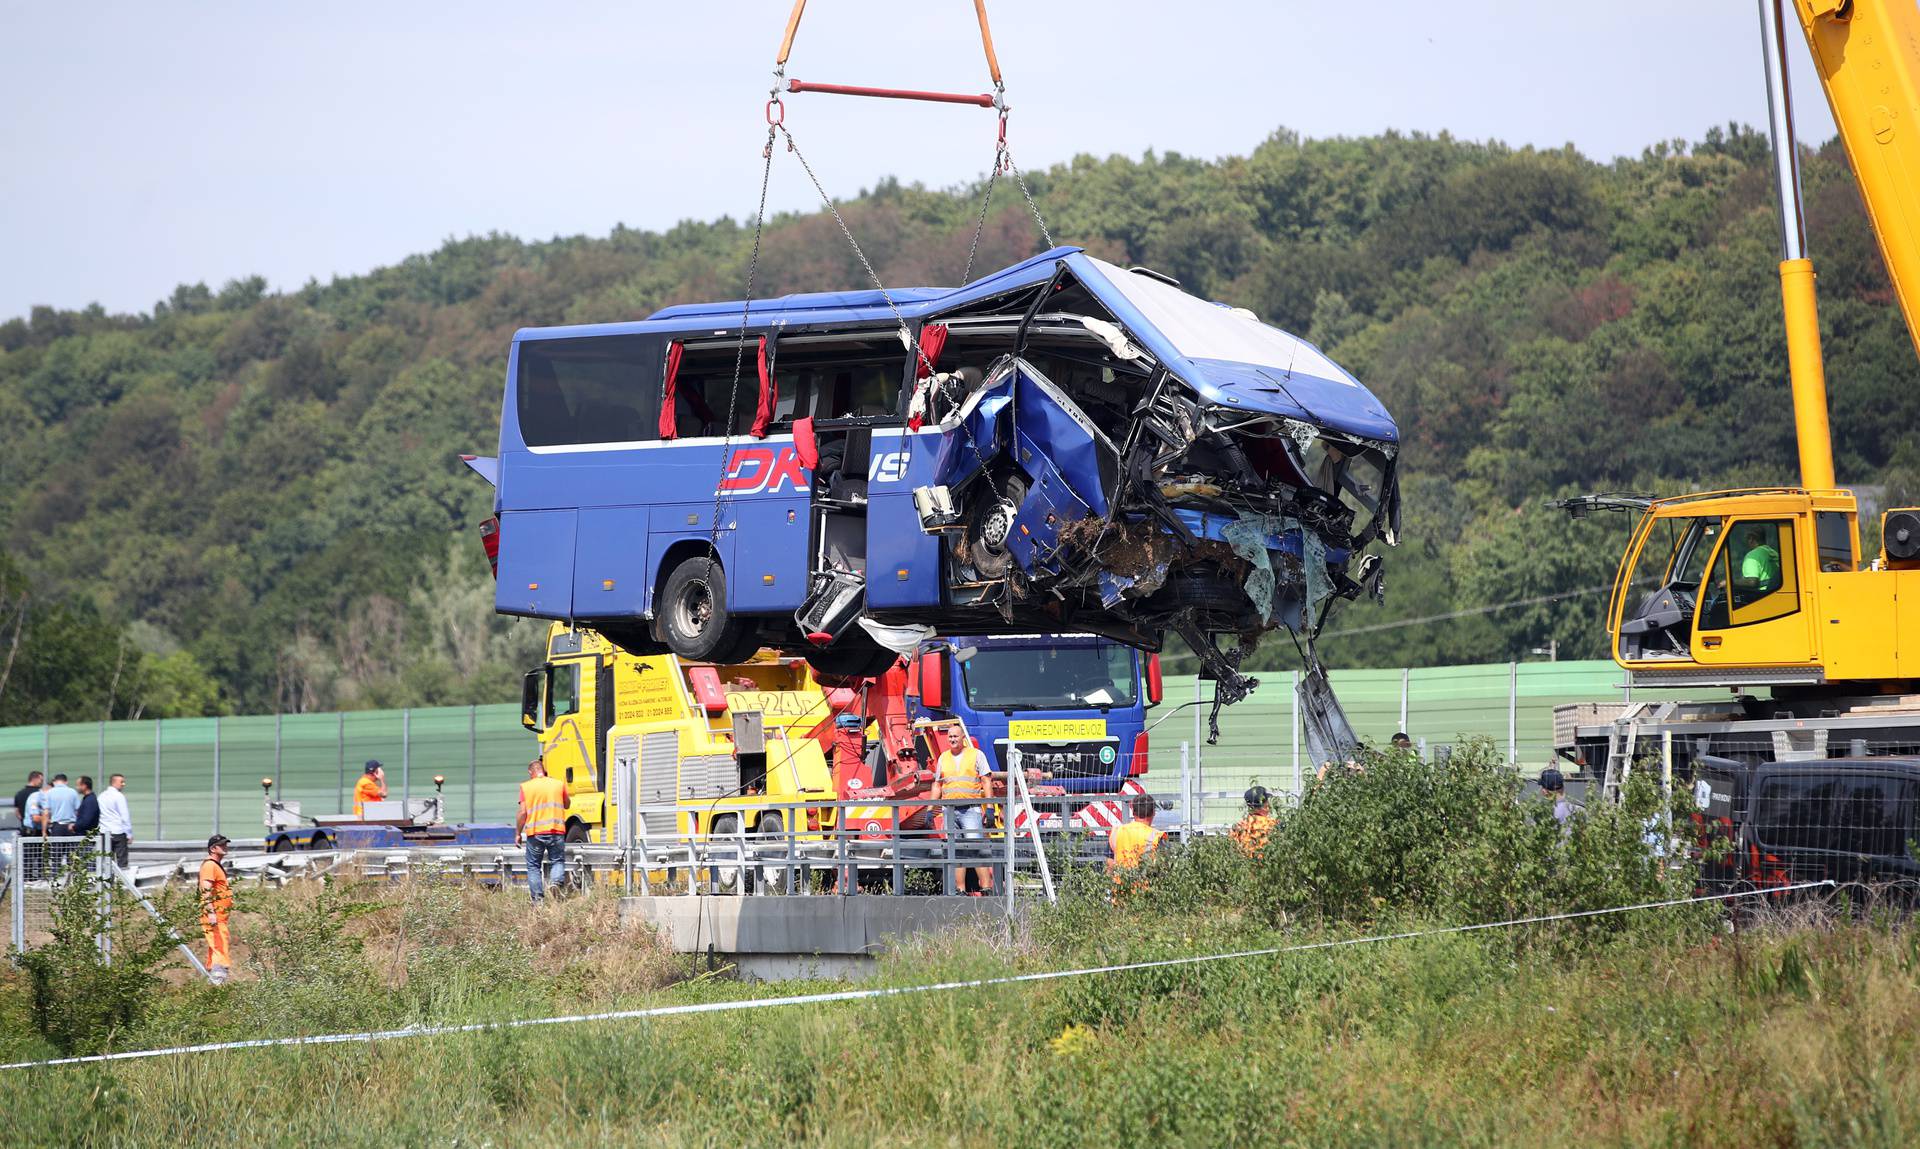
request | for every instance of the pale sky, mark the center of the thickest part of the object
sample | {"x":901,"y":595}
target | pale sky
{"x":146,"y":145}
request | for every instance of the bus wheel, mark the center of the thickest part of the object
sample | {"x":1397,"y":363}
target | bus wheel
{"x":280,"y":845}
{"x":694,"y":621}
{"x":319,"y":842}
{"x":990,"y":525}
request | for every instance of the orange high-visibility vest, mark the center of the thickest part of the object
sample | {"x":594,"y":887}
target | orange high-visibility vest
{"x":960,"y":776}
{"x":216,"y":896}
{"x":1132,"y":843}
{"x":544,"y":800}
{"x":367,"y":789}
{"x":1251,"y":832}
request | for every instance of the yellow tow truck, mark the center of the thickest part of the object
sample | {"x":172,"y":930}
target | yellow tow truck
{"x":722,"y":743}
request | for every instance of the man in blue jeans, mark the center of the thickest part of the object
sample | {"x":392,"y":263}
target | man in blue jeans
{"x":542,"y":825}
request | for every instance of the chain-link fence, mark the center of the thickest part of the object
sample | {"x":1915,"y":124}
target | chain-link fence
{"x":188,"y":777}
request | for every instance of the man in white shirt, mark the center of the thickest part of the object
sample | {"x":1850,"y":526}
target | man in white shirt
{"x":116,"y":821}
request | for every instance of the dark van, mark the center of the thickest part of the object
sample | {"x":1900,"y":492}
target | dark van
{"x":1846,"y":820}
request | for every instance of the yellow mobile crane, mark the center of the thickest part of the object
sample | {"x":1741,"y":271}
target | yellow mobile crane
{"x":1766,"y":588}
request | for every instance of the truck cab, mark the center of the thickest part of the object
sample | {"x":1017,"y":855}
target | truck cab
{"x":1765,"y":588}
{"x":1076,"y":704}
{"x":721,"y":741}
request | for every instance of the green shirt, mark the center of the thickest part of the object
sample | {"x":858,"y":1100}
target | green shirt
{"x":1762,"y":565}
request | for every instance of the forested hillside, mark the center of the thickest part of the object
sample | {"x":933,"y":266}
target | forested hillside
{"x":246,"y":501}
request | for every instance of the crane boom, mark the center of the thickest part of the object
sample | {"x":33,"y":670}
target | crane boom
{"x":1868,"y":55}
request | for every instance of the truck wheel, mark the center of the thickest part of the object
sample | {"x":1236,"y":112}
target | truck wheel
{"x":723,"y":832}
{"x":576,"y":832}
{"x":694,"y":621}
{"x":773,"y":828}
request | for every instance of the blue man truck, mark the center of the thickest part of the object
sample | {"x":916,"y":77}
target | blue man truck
{"x":1076,"y":704}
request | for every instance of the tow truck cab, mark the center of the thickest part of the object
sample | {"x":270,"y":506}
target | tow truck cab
{"x":1076,"y":704}
{"x":720,"y":741}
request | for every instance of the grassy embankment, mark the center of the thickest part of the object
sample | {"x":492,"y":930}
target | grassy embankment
{"x":1653,"y":1028}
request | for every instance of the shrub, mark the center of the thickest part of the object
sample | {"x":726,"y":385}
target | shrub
{"x":83,"y":995}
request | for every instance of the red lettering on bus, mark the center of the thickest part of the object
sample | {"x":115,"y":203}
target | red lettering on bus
{"x":755,"y":469}
{"x":739,"y":477}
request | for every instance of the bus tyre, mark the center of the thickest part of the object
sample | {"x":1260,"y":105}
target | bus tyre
{"x":694,"y":622}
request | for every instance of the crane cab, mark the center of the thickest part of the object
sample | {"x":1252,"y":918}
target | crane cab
{"x":1762,"y":587}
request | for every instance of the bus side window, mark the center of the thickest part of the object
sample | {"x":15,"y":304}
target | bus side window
{"x":604,"y":389}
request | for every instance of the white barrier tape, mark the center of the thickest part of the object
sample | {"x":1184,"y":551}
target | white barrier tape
{"x":870,"y":994}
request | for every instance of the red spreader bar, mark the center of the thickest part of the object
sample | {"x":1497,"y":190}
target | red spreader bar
{"x":984,"y":100}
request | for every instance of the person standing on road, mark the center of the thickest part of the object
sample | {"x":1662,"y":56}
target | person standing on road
{"x":959,"y":773}
{"x":1251,"y":832}
{"x":35,"y":780}
{"x":372,"y":787}
{"x":86,"y":817}
{"x":116,"y":820}
{"x":62,"y":806}
{"x":216,"y":904}
{"x":542,"y":827}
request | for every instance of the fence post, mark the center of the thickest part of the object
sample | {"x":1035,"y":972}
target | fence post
{"x":340,"y":751}
{"x":1406,"y":676}
{"x":19,"y":901}
{"x":216,"y":774}
{"x":473,"y":763}
{"x":406,"y":756}
{"x":1513,"y":713}
{"x":1196,"y":710}
{"x":1293,"y":708}
{"x":158,"y":832}
{"x":1186,"y":793}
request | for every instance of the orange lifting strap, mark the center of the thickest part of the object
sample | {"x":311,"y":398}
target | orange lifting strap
{"x":984,"y":100}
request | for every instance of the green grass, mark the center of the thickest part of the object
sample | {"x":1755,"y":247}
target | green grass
{"x":1660,"y":1027}
{"x":1786,"y":1035}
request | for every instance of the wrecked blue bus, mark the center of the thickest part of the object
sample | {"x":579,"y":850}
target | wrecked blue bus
{"x":1064,"y":445}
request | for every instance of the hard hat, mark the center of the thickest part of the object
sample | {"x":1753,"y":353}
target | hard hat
{"x":1256,"y":796}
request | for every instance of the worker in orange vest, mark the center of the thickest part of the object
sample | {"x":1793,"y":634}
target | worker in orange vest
{"x":961,"y":773}
{"x":1251,"y":832}
{"x":372,"y":787}
{"x":1136,"y":841}
{"x":542,"y":826}
{"x":216,"y":903}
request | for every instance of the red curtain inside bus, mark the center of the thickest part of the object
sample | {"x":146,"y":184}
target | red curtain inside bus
{"x":669,"y":428}
{"x":769,"y":395}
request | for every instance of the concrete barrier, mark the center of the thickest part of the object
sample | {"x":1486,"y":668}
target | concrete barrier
{"x":784,"y":937}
